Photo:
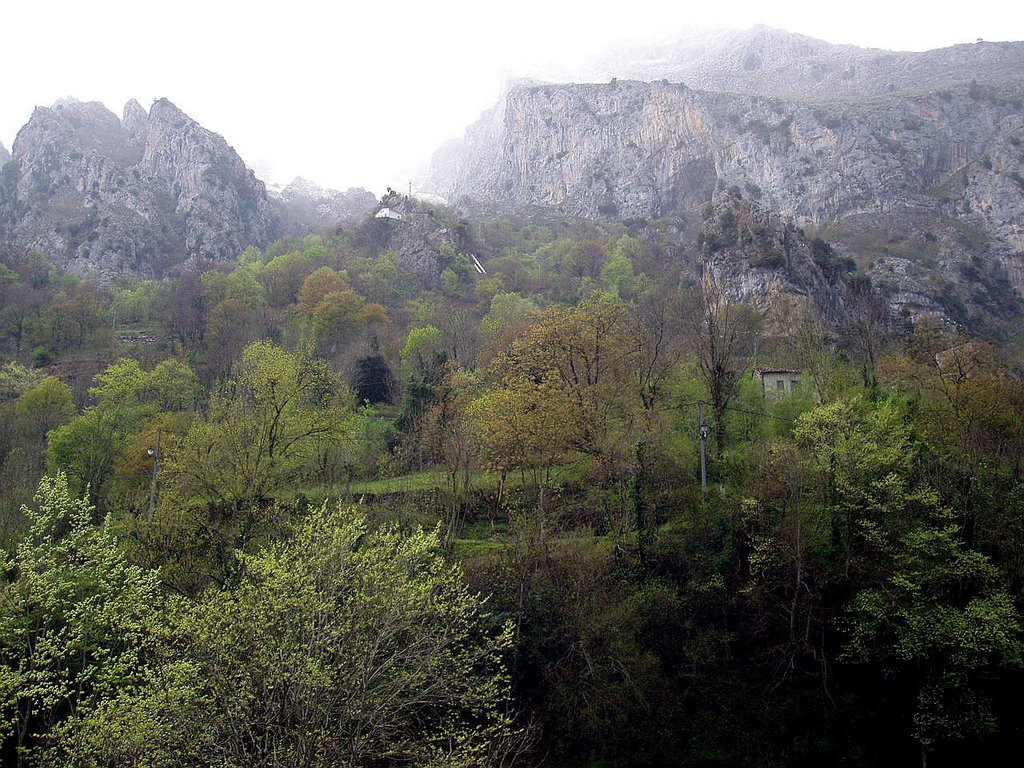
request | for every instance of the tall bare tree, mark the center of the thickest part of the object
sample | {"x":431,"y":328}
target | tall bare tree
{"x":718,"y":334}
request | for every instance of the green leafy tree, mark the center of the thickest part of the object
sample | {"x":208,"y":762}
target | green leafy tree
{"x":86,"y":449}
{"x":127,"y":399}
{"x":174,"y":386}
{"x":526,"y":426}
{"x":74,"y":317}
{"x":243,"y":285}
{"x":618,"y":274}
{"x":589,"y":356}
{"x":382,"y":282}
{"x":262,"y":429}
{"x":940,"y":616}
{"x":450,"y":437}
{"x":232,"y":325}
{"x":423,"y":358}
{"x":508,"y":317}
{"x":122,"y":386}
{"x":853,"y":445}
{"x":318,"y":285}
{"x":341,"y":646}
{"x":44,"y":408}
{"x":342,"y":318}
{"x":76,"y":621}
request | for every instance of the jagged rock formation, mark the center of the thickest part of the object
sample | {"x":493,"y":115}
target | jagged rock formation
{"x":4,"y":154}
{"x":305,"y":207}
{"x":888,"y":142}
{"x":140,"y":194}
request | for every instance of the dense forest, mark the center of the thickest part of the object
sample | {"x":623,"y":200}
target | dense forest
{"x":316,"y":507}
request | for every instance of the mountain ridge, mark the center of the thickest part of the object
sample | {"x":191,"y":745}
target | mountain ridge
{"x":773,"y":62}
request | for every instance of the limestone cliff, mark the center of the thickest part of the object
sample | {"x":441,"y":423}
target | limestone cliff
{"x":141,"y":194}
{"x":759,"y":258}
{"x":636,"y":149}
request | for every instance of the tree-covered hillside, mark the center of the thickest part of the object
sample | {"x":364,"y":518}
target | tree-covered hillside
{"x":427,"y":491}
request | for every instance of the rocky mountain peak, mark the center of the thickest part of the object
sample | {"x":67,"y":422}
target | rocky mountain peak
{"x":164,"y":110}
{"x":85,"y":126}
{"x":4,"y":154}
{"x":135,"y":120}
{"x":140,"y":194}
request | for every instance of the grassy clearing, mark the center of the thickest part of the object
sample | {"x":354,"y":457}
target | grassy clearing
{"x":417,"y":482}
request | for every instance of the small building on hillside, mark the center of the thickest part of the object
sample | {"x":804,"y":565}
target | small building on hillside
{"x":388,"y":213}
{"x":779,"y":382}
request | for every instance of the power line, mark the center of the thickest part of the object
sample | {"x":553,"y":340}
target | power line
{"x":759,"y":413}
{"x":764,"y":414}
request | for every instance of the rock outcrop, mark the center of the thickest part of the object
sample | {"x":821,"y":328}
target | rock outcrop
{"x":756,"y":257}
{"x":141,"y":194}
{"x":4,"y":154}
{"x":421,"y":237}
{"x":632,"y":149}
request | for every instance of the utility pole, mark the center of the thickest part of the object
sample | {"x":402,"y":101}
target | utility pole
{"x":156,"y":468}
{"x":703,"y":450}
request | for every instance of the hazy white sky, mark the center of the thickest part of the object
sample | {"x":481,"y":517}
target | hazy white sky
{"x":362,"y":94}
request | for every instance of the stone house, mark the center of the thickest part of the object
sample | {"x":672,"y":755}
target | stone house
{"x":779,"y":382}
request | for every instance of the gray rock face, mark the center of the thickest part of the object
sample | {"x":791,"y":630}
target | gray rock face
{"x":4,"y":154}
{"x":630,"y":149}
{"x":305,"y":207}
{"x":143,"y":194}
{"x":645,"y":149}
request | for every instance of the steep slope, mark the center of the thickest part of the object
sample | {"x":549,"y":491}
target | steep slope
{"x":645,"y":149}
{"x":421,"y":237}
{"x":143,"y":194}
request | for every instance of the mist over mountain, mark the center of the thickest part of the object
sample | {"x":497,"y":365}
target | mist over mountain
{"x":772,"y":62}
{"x":869,"y":147}
{"x":305,"y":206}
